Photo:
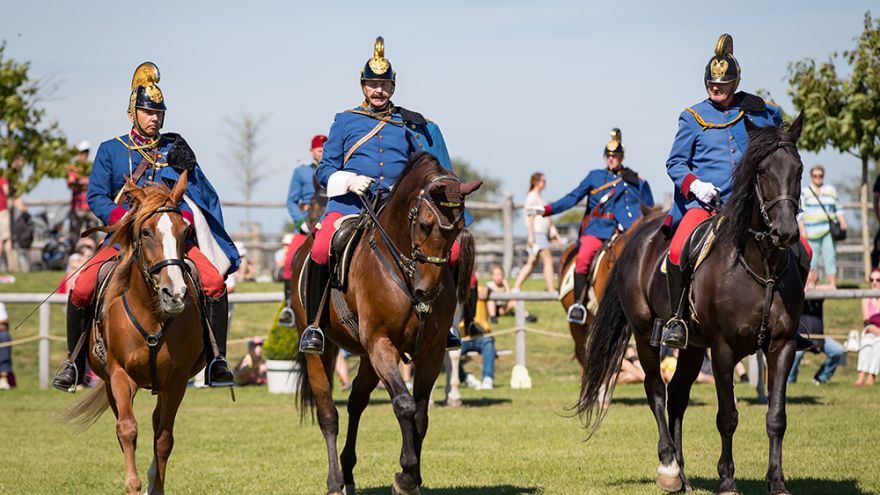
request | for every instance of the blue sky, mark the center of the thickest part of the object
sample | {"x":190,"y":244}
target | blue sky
{"x":515,"y":86}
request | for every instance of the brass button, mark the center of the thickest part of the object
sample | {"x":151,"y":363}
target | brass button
{"x":380,"y":137}
{"x":732,"y":150}
{"x":380,"y":149}
{"x":381,"y":177}
{"x":413,"y":126}
{"x":420,"y":146}
{"x":418,"y":136}
{"x":731,"y":138}
{"x":383,"y":163}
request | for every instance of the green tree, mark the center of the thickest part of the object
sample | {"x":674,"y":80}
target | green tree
{"x":30,"y":149}
{"x":842,"y":113}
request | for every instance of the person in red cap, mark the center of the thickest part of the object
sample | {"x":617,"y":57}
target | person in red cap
{"x":304,"y":188}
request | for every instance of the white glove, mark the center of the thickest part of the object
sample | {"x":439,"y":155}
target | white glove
{"x":704,"y":191}
{"x":358,"y":184}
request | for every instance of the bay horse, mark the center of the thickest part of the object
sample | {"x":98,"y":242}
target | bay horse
{"x":746,"y":295}
{"x":601,"y":272}
{"x":403,"y":294}
{"x":148,"y":329}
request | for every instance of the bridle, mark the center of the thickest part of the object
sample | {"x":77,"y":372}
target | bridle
{"x":771,"y":274}
{"x":149,"y":272}
{"x":407,"y":264}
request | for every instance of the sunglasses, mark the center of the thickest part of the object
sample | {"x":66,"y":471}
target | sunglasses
{"x":875,"y":280}
{"x":818,"y":176}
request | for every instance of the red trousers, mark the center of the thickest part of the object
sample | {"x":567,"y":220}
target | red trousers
{"x":295,"y":243}
{"x":589,"y":246}
{"x":83,"y":292}
{"x":689,"y":222}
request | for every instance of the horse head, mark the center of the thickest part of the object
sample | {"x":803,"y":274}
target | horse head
{"x":434,"y":199}
{"x":158,"y":233}
{"x":767,"y":187}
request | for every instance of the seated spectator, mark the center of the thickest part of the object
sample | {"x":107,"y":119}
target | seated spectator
{"x":630,"y":368}
{"x":811,"y":324}
{"x":498,"y":283}
{"x":246,"y":270}
{"x":251,"y":370}
{"x":669,"y":363}
{"x":869,"y":344}
{"x":479,"y":341}
{"x":7,"y":376}
{"x":84,"y":250}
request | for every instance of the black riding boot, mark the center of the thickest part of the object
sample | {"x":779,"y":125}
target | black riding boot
{"x":317,"y":277}
{"x":286,"y":317}
{"x":675,"y":332}
{"x":217,"y":372}
{"x":73,"y":370}
{"x":577,"y":312}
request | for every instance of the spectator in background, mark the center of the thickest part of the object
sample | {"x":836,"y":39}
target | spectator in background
{"x":541,"y":233}
{"x":246,"y":270}
{"x":811,"y":323}
{"x":5,"y":227}
{"x":80,"y":216}
{"x":251,"y":370}
{"x":875,"y":253}
{"x":819,"y":203}
{"x":22,"y":234}
{"x":630,"y":368}
{"x":869,"y":344}
{"x":7,"y":376}
{"x":498,"y":283}
{"x":83,"y":251}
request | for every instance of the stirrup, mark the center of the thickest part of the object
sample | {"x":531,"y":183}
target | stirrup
{"x":667,"y":339}
{"x":210,"y":368}
{"x":574,"y":317}
{"x":303,"y":348}
{"x":286,"y":318}
{"x":72,"y":389}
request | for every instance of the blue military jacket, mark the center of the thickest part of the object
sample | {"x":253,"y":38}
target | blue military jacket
{"x":710,"y":144}
{"x":302,"y":188}
{"x":114,"y":161}
{"x":611,"y":201}
{"x":382,"y":157}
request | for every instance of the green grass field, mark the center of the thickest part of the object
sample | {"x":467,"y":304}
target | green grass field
{"x":503,"y":442}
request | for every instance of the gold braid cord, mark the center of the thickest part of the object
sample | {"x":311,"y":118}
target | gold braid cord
{"x":710,"y":125}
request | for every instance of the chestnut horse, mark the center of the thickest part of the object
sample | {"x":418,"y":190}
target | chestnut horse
{"x":148,"y":333}
{"x":402,"y":293}
{"x":747,"y":294}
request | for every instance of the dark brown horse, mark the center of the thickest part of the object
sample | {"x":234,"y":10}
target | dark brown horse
{"x":150,"y":288}
{"x":602,"y":271}
{"x":747,"y":294}
{"x":401,"y":308}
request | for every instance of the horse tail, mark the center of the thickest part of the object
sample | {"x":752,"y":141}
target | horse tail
{"x":605,"y":349}
{"x":304,"y":389}
{"x":87,"y":411}
{"x":466,"y":261}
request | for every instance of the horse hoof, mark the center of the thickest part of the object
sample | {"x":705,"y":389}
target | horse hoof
{"x":397,"y":490}
{"x":669,"y":484}
{"x":349,"y":489}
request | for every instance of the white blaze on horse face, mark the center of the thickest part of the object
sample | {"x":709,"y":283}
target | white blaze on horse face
{"x":169,"y":250}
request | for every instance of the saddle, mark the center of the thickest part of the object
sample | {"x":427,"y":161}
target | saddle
{"x":349,"y":230}
{"x":698,"y":245}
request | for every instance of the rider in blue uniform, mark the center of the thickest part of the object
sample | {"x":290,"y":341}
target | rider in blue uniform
{"x":146,"y":155}
{"x":367,"y":148}
{"x":615,"y":197}
{"x":710,"y":144}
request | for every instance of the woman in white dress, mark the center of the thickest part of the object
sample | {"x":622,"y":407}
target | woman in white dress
{"x":869,"y":344}
{"x":541,"y":232}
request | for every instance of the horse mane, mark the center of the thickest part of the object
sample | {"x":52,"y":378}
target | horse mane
{"x":737,"y":212}
{"x":124,"y":232}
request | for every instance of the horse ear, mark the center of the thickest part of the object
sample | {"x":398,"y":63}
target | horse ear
{"x":136,"y":192}
{"x":179,"y":188}
{"x":469,"y":187}
{"x":796,"y":127}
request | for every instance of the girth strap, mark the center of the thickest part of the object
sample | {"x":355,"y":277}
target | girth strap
{"x":153,"y":341}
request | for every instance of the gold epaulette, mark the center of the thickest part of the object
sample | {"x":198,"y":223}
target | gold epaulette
{"x":710,"y":125}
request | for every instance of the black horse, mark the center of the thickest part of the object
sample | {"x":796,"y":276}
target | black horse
{"x":747,"y":294}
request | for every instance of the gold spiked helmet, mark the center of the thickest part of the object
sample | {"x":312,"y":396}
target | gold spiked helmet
{"x":144,"y":90}
{"x":615,"y":145}
{"x":378,"y":68}
{"x":723,"y":66}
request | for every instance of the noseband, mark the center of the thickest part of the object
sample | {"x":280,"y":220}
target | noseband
{"x":150,"y":271}
{"x":416,"y":253}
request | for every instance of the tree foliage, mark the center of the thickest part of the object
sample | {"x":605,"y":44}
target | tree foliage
{"x":30,"y":149}
{"x":488,"y":192}
{"x":841,"y":112}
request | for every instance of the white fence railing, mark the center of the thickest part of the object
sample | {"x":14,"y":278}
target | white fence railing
{"x":44,"y":337}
